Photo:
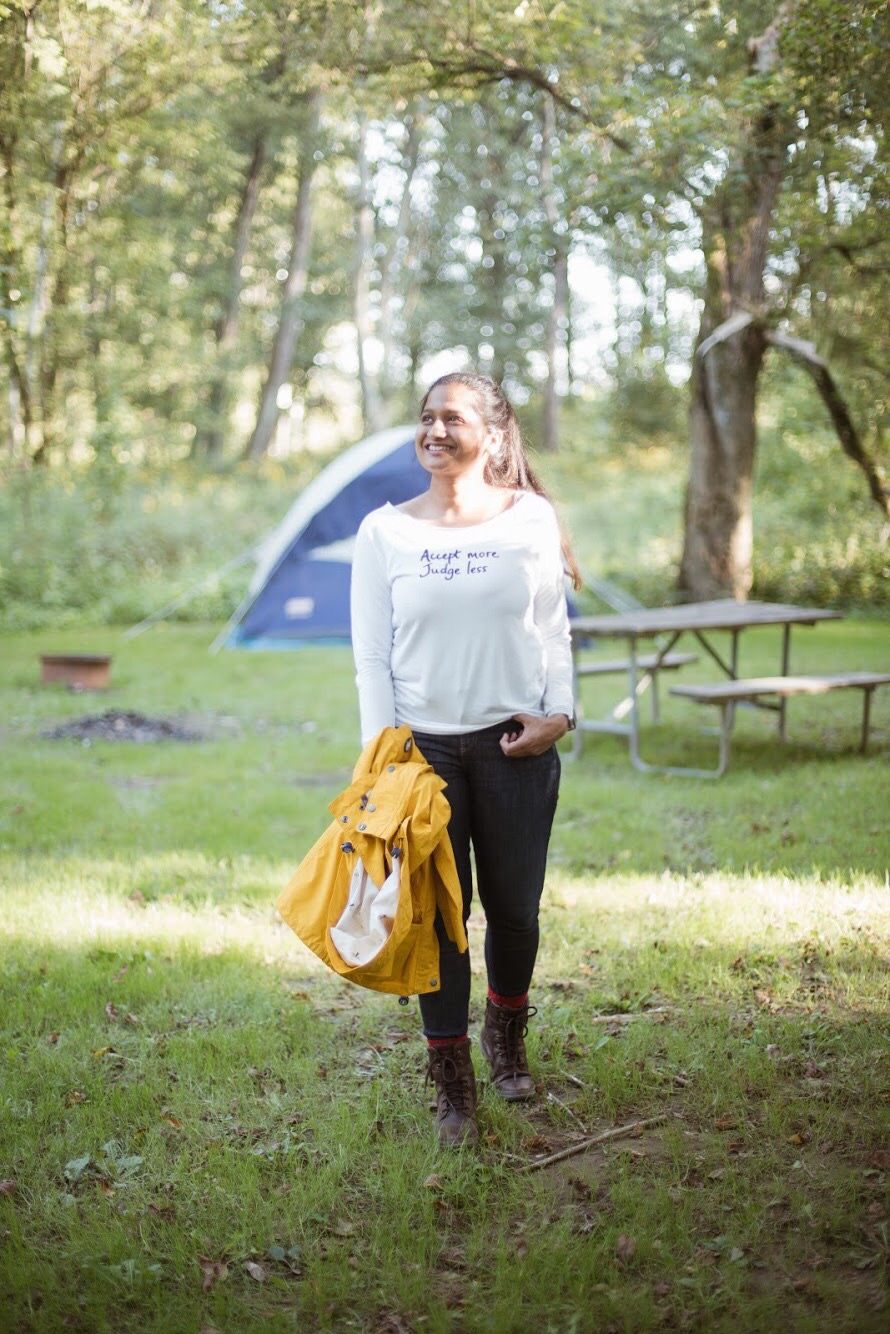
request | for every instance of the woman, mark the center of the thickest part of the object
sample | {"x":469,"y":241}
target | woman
{"x":460,"y":630}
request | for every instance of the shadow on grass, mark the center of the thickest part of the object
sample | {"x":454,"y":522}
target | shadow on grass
{"x":172,"y":1114}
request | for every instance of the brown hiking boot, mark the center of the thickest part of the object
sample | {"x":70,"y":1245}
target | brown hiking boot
{"x":503,"y":1043}
{"x":451,"y":1069}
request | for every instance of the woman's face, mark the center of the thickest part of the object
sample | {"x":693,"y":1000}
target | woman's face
{"x":452,"y":438}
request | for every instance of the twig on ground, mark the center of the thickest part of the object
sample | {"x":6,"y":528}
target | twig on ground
{"x":579,"y":1083}
{"x":583,"y":1145}
{"x":627,"y":1018}
{"x":551,"y":1097}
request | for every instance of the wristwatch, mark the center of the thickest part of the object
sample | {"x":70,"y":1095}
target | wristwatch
{"x":573,"y":721}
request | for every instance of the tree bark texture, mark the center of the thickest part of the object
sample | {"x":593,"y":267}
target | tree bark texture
{"x":290,"y":322}
{"x":718,"y":537}
{"x":213,"y":439}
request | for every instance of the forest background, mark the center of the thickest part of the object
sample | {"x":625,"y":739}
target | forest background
{"x":234,"y":237}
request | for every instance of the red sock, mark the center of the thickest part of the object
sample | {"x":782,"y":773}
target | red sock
{"x":444,"y":1042}
{"x":511,"y":1002}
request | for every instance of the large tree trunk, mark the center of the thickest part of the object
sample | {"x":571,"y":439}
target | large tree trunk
{"x":282,"y":355}
{"x":719,"y":533}
{"x":718,"y":540}
{"x":212,"y":440}
{"x":556,"y":349}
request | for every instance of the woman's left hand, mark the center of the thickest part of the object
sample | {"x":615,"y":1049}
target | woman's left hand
{"x":536,"y":736}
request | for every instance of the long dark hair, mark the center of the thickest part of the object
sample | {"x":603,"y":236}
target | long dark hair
{"x":510,"y":467}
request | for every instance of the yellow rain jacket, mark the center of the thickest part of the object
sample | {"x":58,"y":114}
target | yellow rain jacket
{"x":364,"y":898}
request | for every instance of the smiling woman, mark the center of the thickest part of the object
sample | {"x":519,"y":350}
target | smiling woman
{"x":466,"y":640}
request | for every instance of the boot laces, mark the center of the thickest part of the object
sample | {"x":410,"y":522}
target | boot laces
{"x":450,"y":1080}
{"x":509,"y":1037}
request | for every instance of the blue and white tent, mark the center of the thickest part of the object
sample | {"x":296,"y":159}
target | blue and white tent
{"x":300,"y":587}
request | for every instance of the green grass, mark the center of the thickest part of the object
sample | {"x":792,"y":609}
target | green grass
{"x":186,"y":1092}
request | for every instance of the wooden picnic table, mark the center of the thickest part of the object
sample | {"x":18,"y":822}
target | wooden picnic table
{"x":699,"y":619}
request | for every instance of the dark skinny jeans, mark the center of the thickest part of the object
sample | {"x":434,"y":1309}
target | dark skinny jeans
{"x":504,"y":808}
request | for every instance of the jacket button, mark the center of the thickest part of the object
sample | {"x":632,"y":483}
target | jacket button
{"x":344,"y":819}
{"x":390,"y":768}
{"x":434,"y":981}
{"x":371,"y":806}
{"x":346,"y":847}
{"x":362,"y":826}
{"x":408,"y":744}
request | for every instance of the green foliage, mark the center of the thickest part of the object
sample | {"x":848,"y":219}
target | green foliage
{"x":113,"y":546}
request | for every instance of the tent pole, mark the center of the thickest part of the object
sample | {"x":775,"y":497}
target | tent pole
{"x":165,"y":611}
{"x":231,"y":622}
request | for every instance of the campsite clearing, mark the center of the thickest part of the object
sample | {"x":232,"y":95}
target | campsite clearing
{"x":198,"y":1118}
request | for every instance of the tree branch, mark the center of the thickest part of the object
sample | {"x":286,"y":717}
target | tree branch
{"x":485,"y":66}
{"x":806,"y":355}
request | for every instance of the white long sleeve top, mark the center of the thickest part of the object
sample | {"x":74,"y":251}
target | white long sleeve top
{"x":456,"y":629}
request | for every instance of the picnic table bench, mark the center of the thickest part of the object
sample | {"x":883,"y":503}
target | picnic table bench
{"x":726,"y":694}
{"x":650,"y":664}
{"x":666,"y":625}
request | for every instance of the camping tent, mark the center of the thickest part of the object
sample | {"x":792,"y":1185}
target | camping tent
{"x":300,"y":587}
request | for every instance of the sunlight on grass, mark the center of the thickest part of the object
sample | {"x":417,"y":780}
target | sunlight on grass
{"x":177,"y":902}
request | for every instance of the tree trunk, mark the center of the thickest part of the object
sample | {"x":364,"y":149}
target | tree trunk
{"x":212,"y":440}
{"x":719,"y":532}
{"x":718,"y":538}
{"x":557,"y":317}
{"x":282,"y":355}
{"x":395,"y":259}
{"x":361,"y":284}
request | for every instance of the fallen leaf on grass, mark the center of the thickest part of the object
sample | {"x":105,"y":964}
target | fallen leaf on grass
{"x":454,"y":1258}
{"x":521,"y":1248}
{"x":171,"y":1119}
{"x":74,"y":1096}
{"x":212,"y":1271}
{"x":725,"y":1123}
{"x":52,"y":1038}
{"x":111,"y":1010}
{"x":433,"y":1182}
{"x":717,"y":1174}
{"x":255,"y":1271}
{"x":8,"y":1187}
{"x":538,"y":1144}
{"x":342,"y":1228}
{"x":130,"y":1020}
{"x":735,"y":1146}
{"x":124,"y":968}
{"x":625,"y":1248}
{"x":879,"y":1158}
{"x":165,"y":1212}
{"x":799,"y":1137}
{"x":661,"y":1289}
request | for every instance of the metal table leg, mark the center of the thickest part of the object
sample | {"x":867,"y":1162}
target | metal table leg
{"x":786,"y":659}
{"x":866,"y":717}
